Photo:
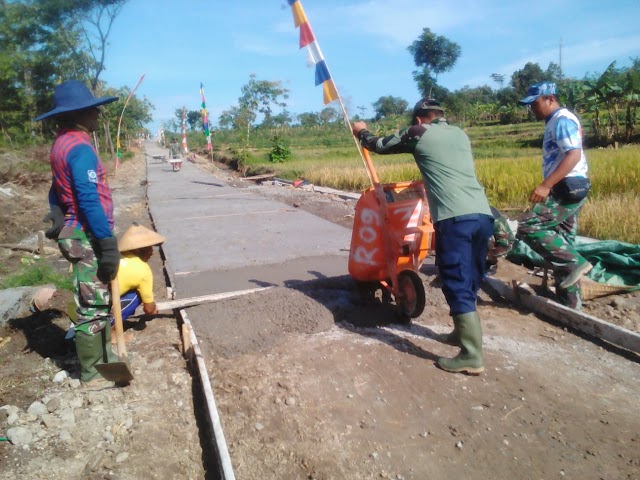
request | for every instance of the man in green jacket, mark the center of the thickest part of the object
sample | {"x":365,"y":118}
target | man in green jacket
{"x":462,"y":219}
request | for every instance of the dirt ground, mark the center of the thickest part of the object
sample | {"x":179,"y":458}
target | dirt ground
{"x":146,"y":430}
{"x":313,"y":383}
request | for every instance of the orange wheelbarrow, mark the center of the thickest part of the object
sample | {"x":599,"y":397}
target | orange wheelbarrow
{"x":392,"y":235}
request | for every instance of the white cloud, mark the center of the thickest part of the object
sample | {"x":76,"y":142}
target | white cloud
{"x":402,"y":21}
{"x":576,"y":59}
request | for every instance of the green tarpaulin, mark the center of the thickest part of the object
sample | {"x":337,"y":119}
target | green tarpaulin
{"x":614,"y":263}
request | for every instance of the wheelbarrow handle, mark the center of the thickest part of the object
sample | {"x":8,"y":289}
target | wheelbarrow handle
{"x":369,"y":164}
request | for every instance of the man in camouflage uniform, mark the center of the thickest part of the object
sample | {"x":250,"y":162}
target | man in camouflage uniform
{"x":550,"y":227}
{"x":82,"y":215}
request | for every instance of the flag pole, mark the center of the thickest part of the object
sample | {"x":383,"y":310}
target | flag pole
{"x":205,"y":121}
{"x":364,"y":153}
{"x":119,"y":153}
{"x":307,"y":39}
{"x":184,"y":129}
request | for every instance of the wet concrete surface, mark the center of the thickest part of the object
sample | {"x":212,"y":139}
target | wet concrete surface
{"x":221,"y":238}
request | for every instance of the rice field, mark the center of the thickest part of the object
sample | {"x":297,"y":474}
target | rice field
{"x":507,"y":165}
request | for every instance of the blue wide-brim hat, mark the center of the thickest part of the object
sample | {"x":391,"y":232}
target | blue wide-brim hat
{"x":71,"y":96}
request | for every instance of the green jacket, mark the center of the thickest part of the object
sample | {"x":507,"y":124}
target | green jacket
{"x":443,"y":155}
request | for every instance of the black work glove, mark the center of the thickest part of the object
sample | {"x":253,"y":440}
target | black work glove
{"x":56,"y":217}
{"x":108,"y":256}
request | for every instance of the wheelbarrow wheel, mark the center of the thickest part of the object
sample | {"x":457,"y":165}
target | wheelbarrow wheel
{"x":412,"y":293}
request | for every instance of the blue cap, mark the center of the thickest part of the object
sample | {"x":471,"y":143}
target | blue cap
{"x":536,"y":90}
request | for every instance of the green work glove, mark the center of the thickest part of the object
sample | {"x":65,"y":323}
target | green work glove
{"x":108,"y":256}
{"x":56,"y":217}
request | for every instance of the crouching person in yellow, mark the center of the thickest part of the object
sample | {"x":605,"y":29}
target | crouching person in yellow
{"x":134,"y":274}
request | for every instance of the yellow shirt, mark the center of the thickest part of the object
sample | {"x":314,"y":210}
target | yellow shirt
{"x":134,"y":274}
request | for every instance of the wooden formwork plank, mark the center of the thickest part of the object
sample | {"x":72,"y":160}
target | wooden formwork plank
{"x":583,"y":322}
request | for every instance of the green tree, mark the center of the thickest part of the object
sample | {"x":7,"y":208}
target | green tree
{"x":41,"y":43}
{"x":194,"y":120}
{"x":226,"y":118}
{"x":472,"y":103}
{"x":572,"y":95}
{"x":604,"y":94}
{"x":507,"y":97}
{"x":282,"y":119}
{"x":92,"y":20}
{"x":259,"y":96}
{"x":522,"y":79}
{"x":33,"y":55}
{"x":389,"y":105}
{"x":328,"y":115}
{"x":88,"y":22}
{"x":631,"y":90}
{"x":433,"y":54}
{"x":178,"y":113}
{"x":309,"y":119}
{"x":553,"y":73}
{"x":498,"y":78}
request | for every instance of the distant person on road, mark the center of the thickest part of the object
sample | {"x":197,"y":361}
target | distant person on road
{"x":174,"y":148}
{"x":82,"y":215}
{"x":461,"y":215}
{"x":550,"y":227}
{"x":135,"y":277}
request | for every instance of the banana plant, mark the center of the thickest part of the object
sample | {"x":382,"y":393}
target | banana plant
{"x":605,"y":94}
{"x":631,"y":91}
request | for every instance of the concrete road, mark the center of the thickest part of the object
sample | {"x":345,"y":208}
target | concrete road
{"x":222,"y":239}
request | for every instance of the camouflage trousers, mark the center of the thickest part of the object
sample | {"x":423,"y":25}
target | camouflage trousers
{"x":502,"y":240}
{"x":550,"y":230}
{"x":91,"y":296}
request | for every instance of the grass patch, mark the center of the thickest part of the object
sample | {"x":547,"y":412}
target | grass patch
{"x":37,"y":272}
{"x":35,"y":166}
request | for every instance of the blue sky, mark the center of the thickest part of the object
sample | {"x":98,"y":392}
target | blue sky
{"x":220,"y":43}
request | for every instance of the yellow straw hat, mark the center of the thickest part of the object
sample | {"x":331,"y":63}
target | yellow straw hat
{"x":138,"y":236}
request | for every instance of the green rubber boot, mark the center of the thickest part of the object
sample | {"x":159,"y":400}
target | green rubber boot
{"x":469,"y":360}
{"x":92,"y":349}
{"x":452,"y":338}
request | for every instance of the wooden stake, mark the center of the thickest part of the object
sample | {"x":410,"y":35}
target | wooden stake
{"x":186,"y":339}
{"x":583,"y":322}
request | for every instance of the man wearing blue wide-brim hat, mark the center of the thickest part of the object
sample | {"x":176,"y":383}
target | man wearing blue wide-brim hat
{"x":82,"y":216}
